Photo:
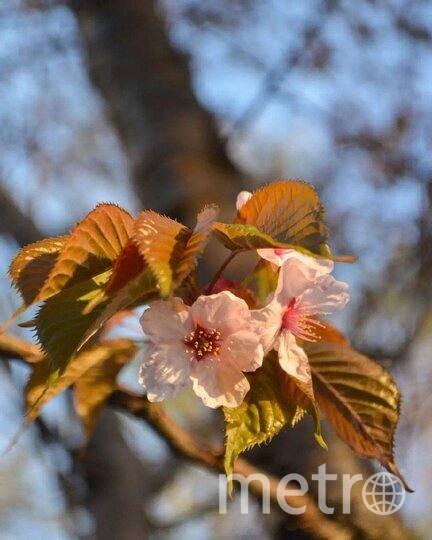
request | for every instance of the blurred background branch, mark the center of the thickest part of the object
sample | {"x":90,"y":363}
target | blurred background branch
{"x":183,"y":444}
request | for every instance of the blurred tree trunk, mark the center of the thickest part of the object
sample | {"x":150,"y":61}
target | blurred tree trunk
{"x":15,"y":222}
{"x":170,"y":141}
{"x":119,"y":483}
{"x":116,"y":481}
{"x":178,"y":163}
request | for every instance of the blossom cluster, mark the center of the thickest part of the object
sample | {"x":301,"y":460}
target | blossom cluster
{"x":216,"y":340}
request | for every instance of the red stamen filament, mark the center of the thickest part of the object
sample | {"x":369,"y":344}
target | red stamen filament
{"x":300,"y":323}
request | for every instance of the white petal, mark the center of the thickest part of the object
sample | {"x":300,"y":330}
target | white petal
{"x":165,"y":372}
{"x":164,"y":322}
{"x":242,"y":199}
{"x":269,"y":323}
{"x":293,"y":359}
{"x":243,"y":349}
{"x":269,"y":254}
{"x":278,"y":257}
{"x":315,"y":265}
{"x":327,"y":295}
{"x":218,"y":383}
{"x":223,"y":311}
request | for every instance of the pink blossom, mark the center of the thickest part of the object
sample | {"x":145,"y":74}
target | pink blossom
{"x":210,"y":343}
{"x":242,"y":199}
{"x":305,"y":289}
{"x":278,"y":257}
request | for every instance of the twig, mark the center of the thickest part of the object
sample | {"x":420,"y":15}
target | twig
{"x":220,"y":271}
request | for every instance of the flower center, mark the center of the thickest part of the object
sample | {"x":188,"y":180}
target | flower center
{"x":202,"y":342}
{"x":300,"y":323}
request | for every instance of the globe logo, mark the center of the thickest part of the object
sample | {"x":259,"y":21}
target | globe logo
{"x":383,"y":493}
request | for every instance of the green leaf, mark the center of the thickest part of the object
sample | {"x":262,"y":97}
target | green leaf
{"x":60,"y":323}
{"x":266,"y":280}
{"x":266,"y":409}
{"x":136,"y":292}
{"x":241,"y":236}
{"x":360,"y":400}
{"x":64,"y":324}
{"x":248,"y":237}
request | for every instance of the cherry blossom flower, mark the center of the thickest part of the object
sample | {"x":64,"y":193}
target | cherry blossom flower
{"x":305,"y":289}
{"x":210,"y":343}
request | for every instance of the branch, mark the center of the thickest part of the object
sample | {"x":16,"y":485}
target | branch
{"x":15,"y":347}
{"x":183,"y":444}
{"x":290,"y":59}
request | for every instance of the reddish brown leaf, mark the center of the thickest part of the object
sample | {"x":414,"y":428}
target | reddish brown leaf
{"x":197,"y":242}
{"x":288,"y":211}
{"x":286,"y":215}
{"x":90,"y":249}
{"x":39,"y":390}
{"x":128,"y":266}
{"x":327,"y":332}
{"x":94,"y":387}
{"x":31,"y":267}
{"x":162,"y":242}
{"x":170,"y":249}
{"x":359,"y":398}
{"x":236,"y":288}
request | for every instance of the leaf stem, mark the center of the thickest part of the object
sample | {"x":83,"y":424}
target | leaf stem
{"x":220,"y":271}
